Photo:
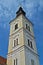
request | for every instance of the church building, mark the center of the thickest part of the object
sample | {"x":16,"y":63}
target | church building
{"x":22,"y":48}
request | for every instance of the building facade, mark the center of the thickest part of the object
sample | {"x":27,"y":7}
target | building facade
{"x":22,"y":46}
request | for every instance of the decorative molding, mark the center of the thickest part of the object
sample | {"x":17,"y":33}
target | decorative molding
{"x":21,"y":48}
{"x":19,"y":30}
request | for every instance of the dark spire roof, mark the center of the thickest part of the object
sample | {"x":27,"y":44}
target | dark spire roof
{"x":20,"y":11}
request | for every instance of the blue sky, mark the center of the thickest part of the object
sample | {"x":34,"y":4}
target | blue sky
{"x":8,"y":10}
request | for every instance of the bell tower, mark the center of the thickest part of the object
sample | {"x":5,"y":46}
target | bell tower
{"x":22,"y":46}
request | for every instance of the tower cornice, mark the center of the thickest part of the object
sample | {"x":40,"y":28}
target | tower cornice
{"x":22,"y":28}
{"x":21,"y":48}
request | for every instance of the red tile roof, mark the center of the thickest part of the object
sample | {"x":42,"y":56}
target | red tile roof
{"x":3,"y":60}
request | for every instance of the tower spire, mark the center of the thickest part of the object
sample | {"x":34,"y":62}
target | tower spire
{"x":20,"y":11}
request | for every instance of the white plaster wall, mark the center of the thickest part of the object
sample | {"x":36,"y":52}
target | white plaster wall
{"x":25,"y":21}
{"x":28,"y":36}
{"x":19,"y":54}
{"x":15,"y":21}
{"x":31,"y":56}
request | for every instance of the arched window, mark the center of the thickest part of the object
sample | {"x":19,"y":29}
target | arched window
{"x":15,"y":42}
{"x":32,"y":62}
{"x":15,"y":61}
{"x":16,"y":26}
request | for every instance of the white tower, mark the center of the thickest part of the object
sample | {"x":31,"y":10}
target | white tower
{"x":22,"y":47}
